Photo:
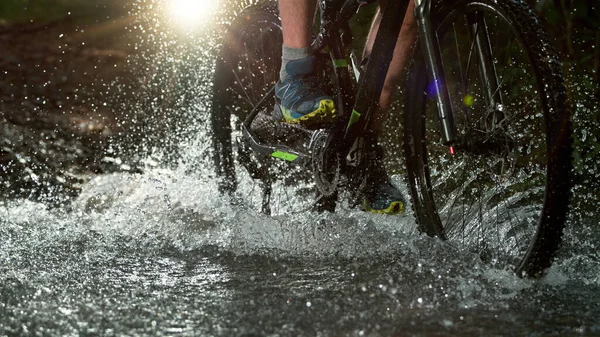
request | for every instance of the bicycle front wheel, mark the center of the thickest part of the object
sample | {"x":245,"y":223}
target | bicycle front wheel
{"x":504,"y":192}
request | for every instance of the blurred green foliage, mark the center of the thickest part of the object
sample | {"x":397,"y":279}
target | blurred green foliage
{"x":575,"y":27}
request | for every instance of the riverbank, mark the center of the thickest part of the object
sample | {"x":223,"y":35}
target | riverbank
{"x":62,"y":94}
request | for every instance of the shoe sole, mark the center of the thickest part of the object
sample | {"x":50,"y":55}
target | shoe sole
{"x":326,"y":113}
{"x":396,"y":207}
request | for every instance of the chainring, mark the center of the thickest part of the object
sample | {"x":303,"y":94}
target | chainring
{"x":325,"y":163}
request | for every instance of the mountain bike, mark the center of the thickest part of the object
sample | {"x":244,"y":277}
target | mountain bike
{"x":486,"y":124}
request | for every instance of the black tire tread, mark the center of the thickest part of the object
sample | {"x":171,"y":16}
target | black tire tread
{"x":220,"y":118}
{"x":548,"y":69}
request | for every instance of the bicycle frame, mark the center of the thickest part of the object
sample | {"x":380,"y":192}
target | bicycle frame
{"x":355,"y":109}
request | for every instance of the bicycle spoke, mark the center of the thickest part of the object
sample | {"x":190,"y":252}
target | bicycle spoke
{"x":471,"y":49}
{"x":248,"y":67}
{"x":460,"y":70}
{"x":502,"y":77}
{"x":244,"y":91}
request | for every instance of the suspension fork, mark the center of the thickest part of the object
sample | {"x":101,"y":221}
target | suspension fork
{"x":437,"y":85}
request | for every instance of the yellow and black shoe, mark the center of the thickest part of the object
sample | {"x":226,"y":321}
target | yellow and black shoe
{"x":380,"y":195}
{"x":388,"y":200}
{"x":300,"y":98}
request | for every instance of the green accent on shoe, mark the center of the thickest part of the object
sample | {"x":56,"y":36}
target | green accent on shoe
{"x":284,"y":155}
{"x":340,"y":63}
{"x":353,"y":118}
{"x":324,"y":114}
{"x":396,"y":207}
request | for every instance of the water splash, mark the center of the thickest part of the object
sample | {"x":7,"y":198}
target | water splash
{"x":148,"y":241}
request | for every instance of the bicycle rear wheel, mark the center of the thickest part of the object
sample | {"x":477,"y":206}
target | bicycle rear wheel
{"x":246,"y":69}
{"x":504,"y":193}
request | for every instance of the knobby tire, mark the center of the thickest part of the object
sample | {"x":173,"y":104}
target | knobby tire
{"x":439,"y":205}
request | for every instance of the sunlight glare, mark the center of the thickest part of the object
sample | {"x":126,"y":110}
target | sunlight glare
{"x":192,"y":13}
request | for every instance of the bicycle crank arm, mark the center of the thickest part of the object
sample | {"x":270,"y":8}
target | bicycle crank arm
{"x":279,"y":151}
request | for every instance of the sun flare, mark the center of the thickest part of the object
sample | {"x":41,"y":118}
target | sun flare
{"x":192,"y":13}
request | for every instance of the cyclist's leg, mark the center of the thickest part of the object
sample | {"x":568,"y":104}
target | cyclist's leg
{"x":402,"y":54}
{"x":381,"y":195}
{"x":296,"y":21}
{"x":301,"y":100}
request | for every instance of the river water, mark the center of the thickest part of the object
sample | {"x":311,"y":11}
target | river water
{"x":162,"y":253}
